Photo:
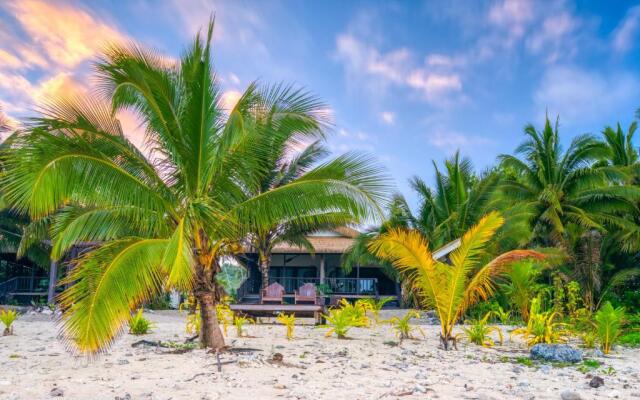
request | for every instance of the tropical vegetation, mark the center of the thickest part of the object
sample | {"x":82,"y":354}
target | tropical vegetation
{"x":165,"y":219}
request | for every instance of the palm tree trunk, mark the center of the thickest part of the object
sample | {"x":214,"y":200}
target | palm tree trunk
{"x":207,"y":295}
{"x":265,"y":263}
{"x":210,"y":333}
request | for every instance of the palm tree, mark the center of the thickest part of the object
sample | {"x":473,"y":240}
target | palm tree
{"x":164,"y":221}
{"x":449,"y":289}
{"x":282,"y":166}
{"x":620,"y":150}
{"x":459,"y":199}
{"x":565,"y":187}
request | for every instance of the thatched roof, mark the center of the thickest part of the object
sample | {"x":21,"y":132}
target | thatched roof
{"x":336,"y":241}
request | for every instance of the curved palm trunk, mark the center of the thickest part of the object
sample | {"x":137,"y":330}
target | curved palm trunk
{"x":207,"y":296}
{"x":210,"y":333}
{"x":265,"y":263}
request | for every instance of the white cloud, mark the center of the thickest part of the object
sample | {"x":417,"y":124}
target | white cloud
{"x":60,"y":31}
{"x":513,"y":16}
{"x":626,"y":32}
{"x":580,"y":95}
{"x":555,"y":38}
{"x":397,"y":67}
{"x":388,"y":117}
{"x":450,"y":140}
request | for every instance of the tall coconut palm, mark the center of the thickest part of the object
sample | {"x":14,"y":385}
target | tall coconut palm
{"x":165,"y":221}
{"x":449,"y":289}
{"x":620,"y":150}
{"x":565,"y":187}
{"x":284,"y":166}
{"x":458,"y":200}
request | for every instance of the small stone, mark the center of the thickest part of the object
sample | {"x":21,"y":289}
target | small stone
{"x":127,"y":396}
{"x":277,"y":357}
{"x":56,"y":392}
{"x":123,"y":361}
{"x":569,"y":395}
{"x":279,"y":386}
{"x":545,"y":369}
{"x":420,"y":389}
{"x":596,"y":382}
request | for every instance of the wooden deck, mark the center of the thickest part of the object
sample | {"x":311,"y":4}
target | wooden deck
{"x":274,"y":309}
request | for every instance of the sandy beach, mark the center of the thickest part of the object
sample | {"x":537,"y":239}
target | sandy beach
{"x":370,"y":365}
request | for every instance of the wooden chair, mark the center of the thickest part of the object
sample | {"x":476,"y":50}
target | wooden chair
{"x":272,"y":293}
{"x":306,"y":293}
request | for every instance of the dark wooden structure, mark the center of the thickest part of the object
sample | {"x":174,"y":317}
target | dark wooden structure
{"x":271,"y":310}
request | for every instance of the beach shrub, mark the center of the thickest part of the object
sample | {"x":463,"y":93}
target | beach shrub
{"x":224,"y":315}
{"x":631,"y":339}
{"x":8,"y":317}
{"x":502,"y":315}
{"x":402,"y":326}
{"x":449,"y":289}
{"x":608,"y":325}
{"x":289,"y":321}
{"x":239,"y":321}
{"x":479,"y":331}
{"x":589,"y":339}
{"x":559,"y":295}
{"x":341,"y":320}
{"x":574,"y":298}
{"x":374,"y":306}
{"x":522,"y":286}
{"x":541,"y":327}
{"x":138,"y":324}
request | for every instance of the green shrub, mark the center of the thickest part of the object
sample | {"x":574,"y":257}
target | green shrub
{"x":239,"y":322}
{"x":138,"y":324}
{"x":609,"y":325}
{"x":630,"y":339}
{"x":504,"y":316}
{"x":541,"y":327}
{"x":573,"y":297}
{"x":348,"y":316}
{"x":289,"y":321}
{"x":479,"y":331}
{"x":8,"y":317}
{"x":403,"y":327}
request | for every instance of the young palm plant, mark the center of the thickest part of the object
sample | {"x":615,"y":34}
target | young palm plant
{"x":479,"y":331}
{"x":165,"y":221}
{"x":608,"y":325}
{"x":449,"y":289}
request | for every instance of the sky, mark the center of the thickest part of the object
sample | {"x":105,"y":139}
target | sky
{"x":407,"y":81}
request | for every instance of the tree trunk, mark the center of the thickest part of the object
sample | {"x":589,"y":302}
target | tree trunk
{"x":210,"y":333}
{"x":53,"y":278}
{"x":265,"y":263}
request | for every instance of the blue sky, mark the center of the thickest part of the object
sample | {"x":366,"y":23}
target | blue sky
{"x":408,"y":81}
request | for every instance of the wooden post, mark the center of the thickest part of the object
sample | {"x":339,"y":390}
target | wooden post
{"x":322,"y":271}
{"x":53,"y":280}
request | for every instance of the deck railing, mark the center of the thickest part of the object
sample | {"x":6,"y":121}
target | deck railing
{"x":26,"y":285}
{"x":337,"y":286}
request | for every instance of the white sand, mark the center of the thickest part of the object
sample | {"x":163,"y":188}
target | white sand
{"x":33,"y":362}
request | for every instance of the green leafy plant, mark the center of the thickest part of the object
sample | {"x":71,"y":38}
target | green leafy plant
{"x":574,"y":298}
{"x":541,"y":327}
{"x":588,"y":366}
{"x":289,"y":321}
{"x":609,"y":325}
{"x":479,"y":331}
{"x":231,"y":277}
{"x":341,"y":319}
{"x":631,"y":339}
{"x":8,"y":317}
{"x":239,"y":322}
{"x":449,"y":289}
{"x":374,"y":306}
{"x":521,"y":286}
{"x":138,"y":324}
{"x":589,"y":339}
{"x":402,"y":326}
{"x":324,"y":289}
{"x":559,"y":295}
{"x":503,"y":316}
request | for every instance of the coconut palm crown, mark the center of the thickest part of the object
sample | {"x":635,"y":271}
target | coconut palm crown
{"x":165,"y":220}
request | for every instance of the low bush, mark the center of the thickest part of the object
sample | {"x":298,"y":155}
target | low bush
{"x":479,"y":331}
{"x":608,"y":325}
{"x":630,"y":339}
{"x":239,"y":322}
{"x":8,"y":317}
{"x":541,"y":327}
{"x":138,"y":324}
{"x":289,"y":321}
{"x":341,"y":320}
{"x":403,"y":327}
